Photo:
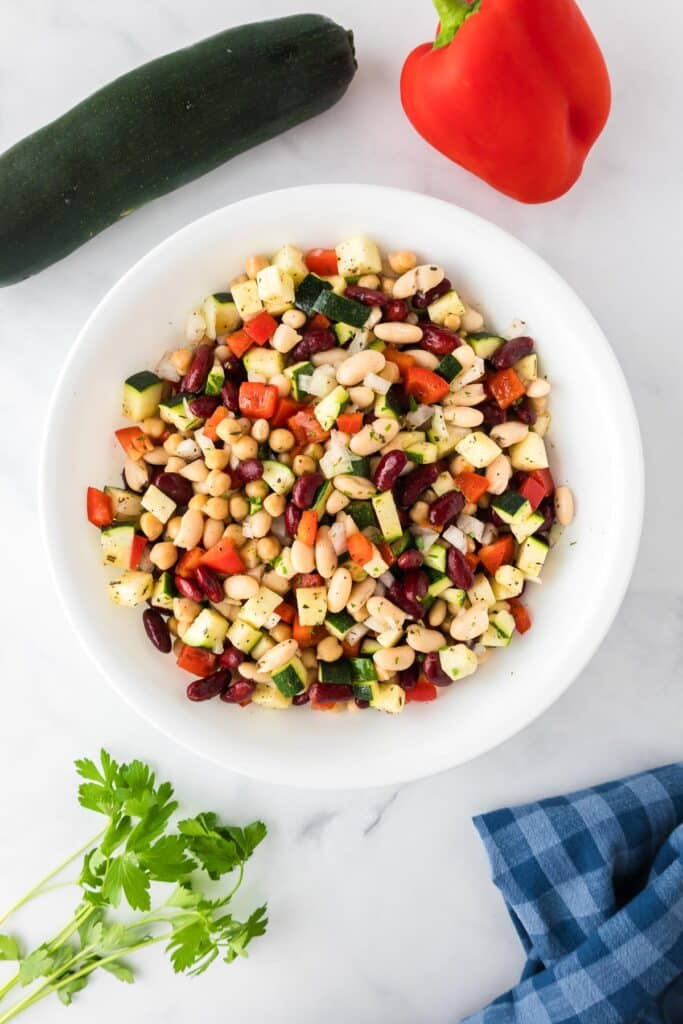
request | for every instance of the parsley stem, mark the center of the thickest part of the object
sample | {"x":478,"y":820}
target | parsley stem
{"x":38,"y":889}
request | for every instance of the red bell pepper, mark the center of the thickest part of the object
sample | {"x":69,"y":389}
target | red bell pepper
{"x":520,"y":614}
{"x":515,"y":91}
{"x":99,"y":507}
{"x":533,"y":491}
{"x":214,"y":419}
{"x":308,"y":527}
{"x":195,"y":660}
{"x":286,"y":612}
{"x":545,"y":478}
{"x":262,"y":328}
{"x":307,"y":636}
{"x":286,"y":408}
{"x":424,"y":385}
{"x":400,"y":359}
{"x":133,"y":441}
{"x":318,"y":322}
{"x":223,"y":557}
{"x":322,"y":262}
{"x":506,"y":387}
{"x":239,"y":343}
{"x":306,"y":428}
{"x":188,"y":563}
{"x":494,"y":555}
{"x":258,"y":401}
{"x":136,"y":549}
{"x":350,"y":422}
{"x":471,"y":485}
{"x":360,"y":548}
{"x":422,"y":692}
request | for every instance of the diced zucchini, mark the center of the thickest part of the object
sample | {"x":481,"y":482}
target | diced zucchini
{"x":447,"y":304}
{"x":453,"y":436}
{"x":527,"y":368}
{"x":405,"y":438}
{"x":345,"y":333}
{"x":485,"y":344}
{"x":132,"y":589}
{"x":270,"y":697}
{"x":390,"y":697}
{"x":443,"y":484}
{"x":335,"y":671}
{"x":264,"y":645}
{"x":362,"y":513}
{"x":438,"y":428}
{"x":141,"y":395}
{"x":175,"y":410}
{"x":338,"y":283}
{"x":158,"y":503}
{"x":247,"y":299}
{"x":215,"y":380}
{"x":295,"y":372}
{"x":320,"y":498}
{"x":481,"y":591}
{"x":458,"y":661}
{"x":376,"y":566}
{"x":292,"y":678}
{"x":435,"y":557}
{"x":307,"y":292}
{"x":526,"y":528}
{"x":340,"y":309}
{"x":422,"y":452}
{"x":368,"y":691}
{"x":448,"y":368}
{"x":386,"y":407}
{"x":220,"y":315}
{"x":478,"y":448}
{"x":387,"y":515}
{"x":370,"y":646}
{"x":339,"y":624}
{"x":358,"y":255}
{"x":363,"y":670}
{"x":275,"y":287}
{"x":279,"y":477}
{"x":243,"y":636}
{"x":511,"y":507}
{"x":327,"y":410}
{"x":264,"y":362}
{"x":117,"y":543}
{"x":529,"y":454}
{"x":438,"y":586}
{"x":360,"y":466}
{"x":260,"y":607}
{"x":312,"y":605}
{"x":126,"y":505}
{"x":291,"y":261}
{"x":283,"y":564}
{"x":532,"y":554}
{"x":454,"y":597}
{"x":164,"y":591}
{"x":500,"y":629}
{"x":207,"y":631}
{"x":508,"y":582}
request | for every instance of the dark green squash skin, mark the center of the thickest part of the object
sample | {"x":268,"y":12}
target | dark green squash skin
{"x":159,"y":127}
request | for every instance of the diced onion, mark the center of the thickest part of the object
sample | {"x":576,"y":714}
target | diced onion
{"x":360,"y":342}
{"x":429,"y":537}
{"x":272,"y":621}
{"x":337,"y":537}
{"x":166,"y":370}
{"x":356,"y":633}
{"x":376,"y":625}
{"x":386,"y":579}
{"x":378,"y":384}
{"x":489,"y":535}
{"x":304,"y":382}
{"x":336,"y":460}
{"x":421,"y":415}
{"x":471,"y":526}
{"x":322,"y":381}
{"x":475,"y":372}
{"x":457,"y":538}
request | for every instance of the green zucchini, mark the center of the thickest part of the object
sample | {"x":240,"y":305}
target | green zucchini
{"x":159,"y":127}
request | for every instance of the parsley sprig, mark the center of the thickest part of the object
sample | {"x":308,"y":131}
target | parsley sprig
{"x":123,"y":865}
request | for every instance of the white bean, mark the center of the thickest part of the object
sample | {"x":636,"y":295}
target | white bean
{"x":538,"y":388}
{"x":240,"y":587}
{"x":325,"y":555}
{"x":359,"y":596}
{"x":329,"y":649}
{"x":332,"y":357}
{"x":465,"y":355}
{"x":339,"y":590}
{"x":374,"y":436}
{"x":471,"y":394}
{"x":470,"y":623}
{"x":277,"y":656}
{"x":398,"y":333}
{"x":498,"y":474}
{"x":423,"y":358}
{"x":394,"y":659}
{"x":303,"y":557}
{"x":471,"y":320}
{"x":285,"y":338}
{"x":385,"y":610}
{"x":362,"y":396}
{"x":424,"y":640}
{"x":355,"y":487}
{"x":190,"y":531}
{"x":506,"y":434}
{"x":355,"y":368}
{"x":464,"y":416}
{"x":564,"y":506}
{"x":136,"y":473}
{"x":335,"y":503}
{"x":422,"y":278}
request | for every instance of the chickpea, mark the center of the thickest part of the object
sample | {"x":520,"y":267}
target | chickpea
{"x":256,"y":489}
{"x":388,"y":285}
{"x":268,"y":548}
{"x":245,"y":448}
{"x":369,"y":281}
{"x":217,"y":483}
{"x":197,"y":501}
{"x":213,"y":531}
{"x":249,"y":555}
{"x":452,"y":322}
{"x":254,"y":264}
{"x":171,"y":443}
{"x":182,"y":359}
{"x":362,"y":396}
{"x":239,"y":508}
{"x":172,"y":527}
{"x":391,"y":373}
{"x":275,"y":505}
{"x":175,"y":464}
{"x":229,"y":429}
{"x":235,"y":534}
{"x":308,"y":657}
{"x":260,"y":430}
{"x":151,"y":526}
{"x":403,"y":261}
{"x":240,"y":279}
{"x":163,"y":555}
{"x":281,"y":632}
{"x":281,"y":440}
{"x":260,"y":524}
{"x":217,"y":458}
{"x":294,"y":318}
{"x":329,"y":649}
{"x":217,"y":508}
{"x":303,"y":464}
{"x":285,"y":458}
{"x":154,"y":427}
{"x":315,"y":451}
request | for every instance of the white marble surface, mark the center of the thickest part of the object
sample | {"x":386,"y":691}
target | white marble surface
{"x":380,"y":903}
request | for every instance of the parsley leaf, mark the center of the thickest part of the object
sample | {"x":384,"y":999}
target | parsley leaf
{"x":9,"y":948}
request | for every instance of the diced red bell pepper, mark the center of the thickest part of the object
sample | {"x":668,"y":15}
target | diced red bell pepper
{"x":258,"y":401}
{"x":99,"y":507}
{"x":424,"y":385}
{"x":519,"y":613}
{"x":472,"y":560}
{"x":286,"y":612}
{"x":137,"y":547}
{"x":318,"y":322}
{"x":286,"y":408}
{"x":307,"y":636}
{"x":195,"y":660}
{"x":306,"y":428}
{"x":223,"y":557}
{"x":350,"y":422}
{"x":422,"y":692}
{"x":506,"y":387}
{"x":472,"y":486}
{"x":133,"y":441}
{"x":545,"y":478}
{"x":216,"y":417}
{"x":351,"y":650}
{"x":189,"y":563}
{"x":532,"y":491}
{"x":239,"y":342}
{"x":308,"y":527}
{"x":398,"y":358}
{"x":494,"y":555}
{"x":262,"y":328}
{"x":322,"y":262}
{"x":386,"y":553}
{"x":360,"y":548}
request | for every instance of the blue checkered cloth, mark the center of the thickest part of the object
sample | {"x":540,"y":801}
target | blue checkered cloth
{"x":593,"y":882}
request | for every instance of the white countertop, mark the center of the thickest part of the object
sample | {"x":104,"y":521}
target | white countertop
{"x":380,"y":903}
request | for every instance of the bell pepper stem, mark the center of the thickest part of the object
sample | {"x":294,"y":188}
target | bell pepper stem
{"x":452,"y":13}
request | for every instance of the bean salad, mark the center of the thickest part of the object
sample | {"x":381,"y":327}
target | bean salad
{"x":337,"y":489}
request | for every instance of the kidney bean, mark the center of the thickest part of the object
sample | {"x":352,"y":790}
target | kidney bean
{"x":438,"y":340}
{"x":188,"y":588}
{"x":396,"y":310}
{"x":234,"y":369}
{"x":305,"y":488}
{"x":204,"y":405}
{"x":330,"y":693}
{"x":157,"y":630}
{"x":155,"y":473}
{"x":458,"y":569}
{"x":292,"y":519}
{"x":231,"y":658}
{"x":415,"y":584}
{"x":362,"y":704}
{"x":547,"y":510}
{"x":524,"y":412}
{"x":368,"y":296}
{"x":299,"y":699}
{"x":209,"y":686}
{"x":317,"y":340}
{"x":195,"y":378}
{"x":423,"y":299}
{"x":446,"y":508}
{"x":175,"y":486}
{"x":511,"y":351}
{"x":230,"y":396}
{"x":410,"y":487}
{"x":492,"y":413}
{"x":249,"y":469}
{"x":210,"y":584}
{"x":238,"y":691}
{"x":431,"y":667}
{"x":397,"y":595}
{"x":408,"y":677}
{"x":410,"y":560}
{"x":310,"y":579}
{"x":389,"y":469}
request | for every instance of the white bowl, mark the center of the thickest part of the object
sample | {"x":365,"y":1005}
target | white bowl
{"x":594,"y":446}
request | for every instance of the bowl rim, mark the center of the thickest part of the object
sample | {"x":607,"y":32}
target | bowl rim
{"x":633,"y":516}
